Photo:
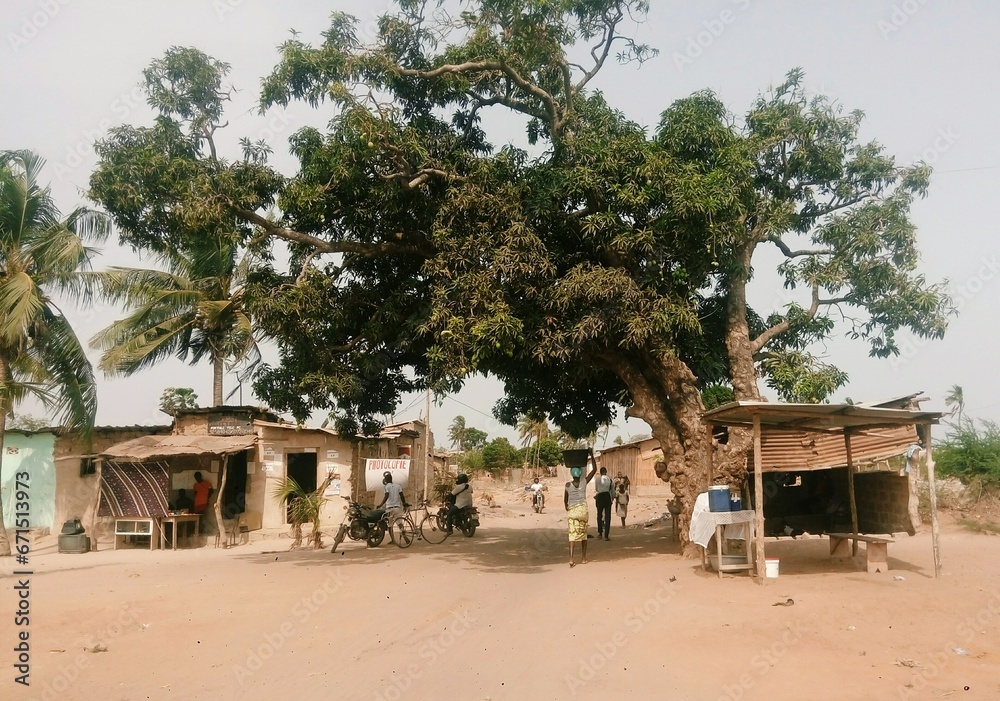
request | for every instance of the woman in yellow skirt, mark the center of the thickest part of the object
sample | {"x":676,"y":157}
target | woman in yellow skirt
{"x":578,"y":512}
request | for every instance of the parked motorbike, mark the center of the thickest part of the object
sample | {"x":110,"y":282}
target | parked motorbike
{"x":361,"y":524}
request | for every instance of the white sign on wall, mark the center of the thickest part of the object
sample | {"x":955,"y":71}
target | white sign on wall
{"x":375,"y":467}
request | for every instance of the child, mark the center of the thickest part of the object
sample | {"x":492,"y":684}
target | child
{"x":621,"y":502}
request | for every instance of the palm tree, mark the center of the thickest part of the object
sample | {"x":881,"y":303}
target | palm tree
{"x":955,"y":399}
{"x":42,"y":254}
{"x":195,"y":307}
{"x":303,"y":507}
{"x":458,"y":432}
{"x":537,"y":429}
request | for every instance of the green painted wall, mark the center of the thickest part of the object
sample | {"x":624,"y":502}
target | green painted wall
{"x":32,"y":453}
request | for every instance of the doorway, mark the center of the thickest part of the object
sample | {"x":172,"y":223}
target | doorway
{"x":234,"y":495}
{"x":301,"y":467}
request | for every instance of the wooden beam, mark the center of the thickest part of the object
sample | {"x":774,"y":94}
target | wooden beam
{"x":932,"y":485}
{"x":758,"y":503}
{"x":850,"y":489}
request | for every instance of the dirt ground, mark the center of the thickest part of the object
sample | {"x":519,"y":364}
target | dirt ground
{"x":502,"y":616}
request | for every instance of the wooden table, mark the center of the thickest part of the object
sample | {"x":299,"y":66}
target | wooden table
{"x":144,"y":526}
{"x":174,"y":520}
{"x":727,"y":518}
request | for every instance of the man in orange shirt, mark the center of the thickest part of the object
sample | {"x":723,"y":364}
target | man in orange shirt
{"x":202,"y":490}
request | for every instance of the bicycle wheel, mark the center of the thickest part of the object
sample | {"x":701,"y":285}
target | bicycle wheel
{"x":431,"y":529}
{"x":403,"y":532}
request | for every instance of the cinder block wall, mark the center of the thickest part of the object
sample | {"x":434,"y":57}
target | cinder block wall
{"x":883,"y":502}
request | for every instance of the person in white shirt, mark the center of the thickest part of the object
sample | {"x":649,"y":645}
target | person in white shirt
{"x":462,"y":493}
{"x":577,"y":514}
{"x":394,"y":499}
{"x":536,"y":488}
{"x":604,"y":489}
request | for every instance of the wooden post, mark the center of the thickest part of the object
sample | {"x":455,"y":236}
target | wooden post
{"x":711,"y":459}
{"x":428,"y":444}
{"x":758,"y":502}
{"x":935,"y":530}
{"x":850,"y":490}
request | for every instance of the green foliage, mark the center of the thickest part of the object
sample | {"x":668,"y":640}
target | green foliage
{"x":609,"y":270}
{"x":472,"y":461}
{"x":475,"y":439}
{"x":717,"y":395}
{"x":43,"y":254}
{"x":303,"y":507}
{"x":177,"y":399}
{"x":970,"y":452}
{"x":549,"y":452}
{"x":27,"y":422}
{"x":499,"y":455}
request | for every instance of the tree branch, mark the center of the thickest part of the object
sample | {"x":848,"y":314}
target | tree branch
{"x":368,"y":250}
{"x":789,"y":253}
{"x":783,"y":325}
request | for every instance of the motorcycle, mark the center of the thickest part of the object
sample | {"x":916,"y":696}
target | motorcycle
{"x":466,"y":520}
{"x":538,"y":501}
{"x":361,"y":524}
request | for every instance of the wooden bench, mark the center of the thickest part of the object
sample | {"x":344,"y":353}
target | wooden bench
{"x":876,"y":549}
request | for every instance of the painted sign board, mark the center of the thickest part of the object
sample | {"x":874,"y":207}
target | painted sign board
{"x":374,"y":467}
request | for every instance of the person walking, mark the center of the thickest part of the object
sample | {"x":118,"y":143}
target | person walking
{"x":578,"y":513}
{"x":621,"y":502}
{"x":604,"y":489}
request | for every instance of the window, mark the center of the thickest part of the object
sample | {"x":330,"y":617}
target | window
{"x":88,"y":466}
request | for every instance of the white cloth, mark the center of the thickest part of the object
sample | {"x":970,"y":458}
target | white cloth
{"x":603,"y":484}
{"x":703,"y":522}
{"x":463,"y":495}
{"x":577,"y":495}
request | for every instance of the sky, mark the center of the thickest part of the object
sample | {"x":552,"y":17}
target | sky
{"x":920,"y":70}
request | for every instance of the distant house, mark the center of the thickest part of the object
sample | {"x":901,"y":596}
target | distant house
{"x":636,"y":460}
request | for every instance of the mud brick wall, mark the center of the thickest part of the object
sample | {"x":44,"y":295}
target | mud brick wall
{"x":883,"y":500}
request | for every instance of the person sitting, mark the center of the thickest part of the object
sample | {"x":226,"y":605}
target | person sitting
{"x":183,"y":501}
{"x":461,"y":498}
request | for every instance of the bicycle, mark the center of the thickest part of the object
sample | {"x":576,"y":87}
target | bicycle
{"x":402,"y":529}
{"x":432,"y":525}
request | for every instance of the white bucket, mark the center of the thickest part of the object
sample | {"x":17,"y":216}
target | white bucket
{"x":771,"y":567}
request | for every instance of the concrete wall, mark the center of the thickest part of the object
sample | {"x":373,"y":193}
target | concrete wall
{"x":269,"y":466}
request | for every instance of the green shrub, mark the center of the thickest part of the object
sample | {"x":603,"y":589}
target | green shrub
{"x":971,"y":453}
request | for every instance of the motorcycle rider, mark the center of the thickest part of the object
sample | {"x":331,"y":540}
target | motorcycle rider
{"x":536,"y":488}
{"x":461,"y":495}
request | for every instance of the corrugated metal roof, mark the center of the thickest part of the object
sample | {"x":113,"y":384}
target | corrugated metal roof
{"x":152,"y":447}
{"x":785,"y":450}
{"x":835,"y":417}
